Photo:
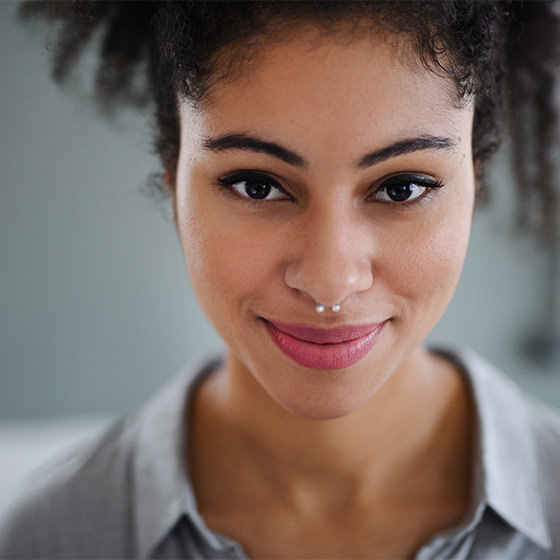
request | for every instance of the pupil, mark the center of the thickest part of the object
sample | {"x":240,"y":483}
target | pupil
{"x":257,"y":189}
{"x":400,"y":192}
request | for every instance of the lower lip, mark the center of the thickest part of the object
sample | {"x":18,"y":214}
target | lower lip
{"x":324,"y":356}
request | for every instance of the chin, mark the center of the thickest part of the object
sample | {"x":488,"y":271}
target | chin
{"x":323,"y":409}
{"x":327,"y":395}
{"x":326,"y":412}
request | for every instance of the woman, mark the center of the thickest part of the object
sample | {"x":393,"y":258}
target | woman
{"x":323,"y":161}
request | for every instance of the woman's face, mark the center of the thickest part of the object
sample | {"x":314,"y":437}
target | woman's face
{"x":329,"y":171}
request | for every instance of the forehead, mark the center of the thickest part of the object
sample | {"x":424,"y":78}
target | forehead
{"x":337,"y":91}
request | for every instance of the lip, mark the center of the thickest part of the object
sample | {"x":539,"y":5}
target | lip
{"x":316,"y":348}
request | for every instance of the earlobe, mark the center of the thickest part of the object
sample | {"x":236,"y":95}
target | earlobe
{"x":477,"y":167}
{"x":170,"y":186}
{"x":480,"y":193}
{"x":169,"y":180}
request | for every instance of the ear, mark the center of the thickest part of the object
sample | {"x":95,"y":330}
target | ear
{"x":477,"y":169}
{"x":169,"y":178}
{"x":480,"y":192}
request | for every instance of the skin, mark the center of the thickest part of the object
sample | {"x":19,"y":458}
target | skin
{"x":279,"y":454}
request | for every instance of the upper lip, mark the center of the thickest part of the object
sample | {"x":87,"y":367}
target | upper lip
{"x":338,"y":334}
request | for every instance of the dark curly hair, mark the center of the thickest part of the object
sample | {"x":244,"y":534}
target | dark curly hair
{"x":504,"y":53}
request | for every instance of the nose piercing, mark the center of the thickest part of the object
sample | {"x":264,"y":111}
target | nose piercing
{"x":319,"y":307}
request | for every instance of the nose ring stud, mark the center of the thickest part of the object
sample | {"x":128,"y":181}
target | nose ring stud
{"x":320,"y":308}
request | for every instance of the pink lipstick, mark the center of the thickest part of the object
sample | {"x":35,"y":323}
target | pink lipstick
{"x":335,"y":348}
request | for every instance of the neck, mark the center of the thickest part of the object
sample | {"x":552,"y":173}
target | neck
{"x":387,"y":439}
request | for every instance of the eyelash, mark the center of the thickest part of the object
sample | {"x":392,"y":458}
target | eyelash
{"x":418,"y":180}
{"x":229,"y":181}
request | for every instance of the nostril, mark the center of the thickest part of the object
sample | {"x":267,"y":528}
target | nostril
{"x":328,"y":285}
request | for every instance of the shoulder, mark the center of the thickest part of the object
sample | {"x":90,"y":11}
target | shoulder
{"x":520,"y":443}
{"x":517,"y":414}
{"x":114,"y":495}
{"x":73,"y":507}
{"x":545,"y":421}
{"x":545,"y":424}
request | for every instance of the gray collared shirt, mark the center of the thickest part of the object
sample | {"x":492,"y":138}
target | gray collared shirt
{"x":126,"y":494}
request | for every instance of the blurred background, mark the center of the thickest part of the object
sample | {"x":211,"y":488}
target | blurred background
{"x":96,"y":310}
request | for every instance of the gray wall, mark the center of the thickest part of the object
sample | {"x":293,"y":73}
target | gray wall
{"x":95,"y":305}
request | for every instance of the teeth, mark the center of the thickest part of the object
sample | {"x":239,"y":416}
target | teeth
{"x":336,"y":307}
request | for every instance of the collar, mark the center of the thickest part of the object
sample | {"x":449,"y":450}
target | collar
{"x":508,"y":447}
{"x":163,"y":493}
{"x":509,"y":457}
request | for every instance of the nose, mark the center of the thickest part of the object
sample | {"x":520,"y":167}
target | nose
{"x":331,"y":259}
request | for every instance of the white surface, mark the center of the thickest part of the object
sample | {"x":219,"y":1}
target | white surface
{"x":25,"y":445}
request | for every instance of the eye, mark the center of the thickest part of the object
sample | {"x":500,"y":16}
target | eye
{"x":404,"y":188}
{"x":254,"y":186}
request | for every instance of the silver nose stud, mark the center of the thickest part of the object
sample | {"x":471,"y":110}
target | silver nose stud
{"x":320,"y":308}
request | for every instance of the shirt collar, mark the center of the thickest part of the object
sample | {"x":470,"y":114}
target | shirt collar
{"x":510,"y":464}
{"x":510,"y":467}
{"x":162,"y":490}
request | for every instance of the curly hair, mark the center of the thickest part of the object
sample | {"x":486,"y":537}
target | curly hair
{"x":504,"y":53}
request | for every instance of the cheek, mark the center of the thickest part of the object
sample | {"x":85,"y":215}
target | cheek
{"x":227,"y":264}
{"x":427,"y":264}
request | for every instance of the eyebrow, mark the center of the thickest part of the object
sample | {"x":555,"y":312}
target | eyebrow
{"x":408,"y":146}
{"x":254,"y":144}
{"x":245,"y":142}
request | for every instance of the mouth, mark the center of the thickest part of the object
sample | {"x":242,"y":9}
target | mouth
{"x":335,"y":348}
